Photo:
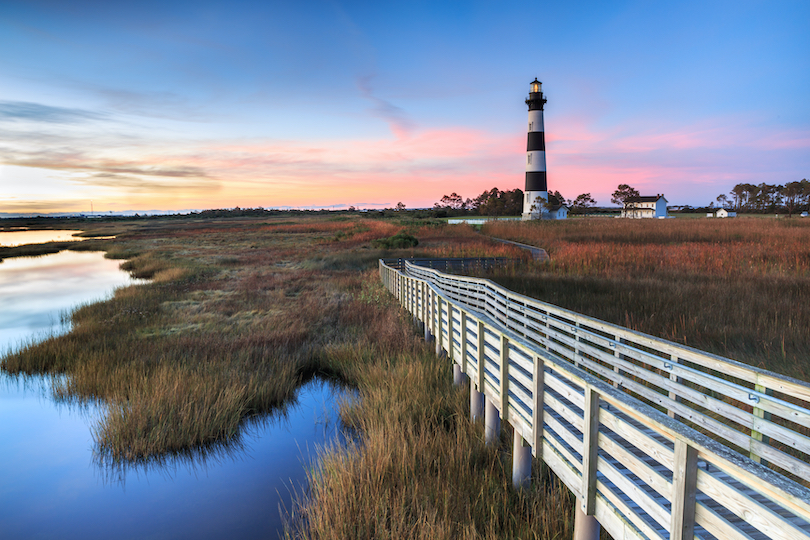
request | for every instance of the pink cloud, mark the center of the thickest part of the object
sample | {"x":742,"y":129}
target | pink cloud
{"x":688,"y":163}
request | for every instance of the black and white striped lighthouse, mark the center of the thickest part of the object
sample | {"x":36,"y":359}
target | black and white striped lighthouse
{"x":536,"y":187}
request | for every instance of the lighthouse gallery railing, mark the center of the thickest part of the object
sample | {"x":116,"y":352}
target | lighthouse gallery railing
{"x":618,"y":415}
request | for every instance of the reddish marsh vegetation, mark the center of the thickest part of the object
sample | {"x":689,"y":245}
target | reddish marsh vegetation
{"x":738,"y":287}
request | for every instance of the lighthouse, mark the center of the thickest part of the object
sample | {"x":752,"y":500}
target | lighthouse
{"x":536,"y":187}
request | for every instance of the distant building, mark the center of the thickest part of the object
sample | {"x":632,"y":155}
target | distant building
{"x":654,"y":206}
{"x":725,"y":213}
{"x":556,"y":208}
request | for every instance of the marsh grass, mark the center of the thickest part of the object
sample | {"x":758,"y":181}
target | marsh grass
{"x":739,"y":288}
{"x":421,"y":469}
{"x":236,"y":315}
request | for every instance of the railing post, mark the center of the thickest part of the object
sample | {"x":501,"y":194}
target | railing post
{"x":618,"y":355}
{"x":477,"y":396}
{"x":433,"y":297}
{"x":590,"y":450}
{"x":450,"y":345}
{"x":423,"y":286}
{"x":504,"y":376}
{"x":684,"y":489}
{"x":586,"y":527}
{"x":439,"y":324}
{"x":677,"y":380}
{"x":482,"y":358}
{"x":428,"y":315}
{"x":765,"y":415}
{"x":538,"y":393}
{"x":463,"y":334}
{"x":414,"y":298}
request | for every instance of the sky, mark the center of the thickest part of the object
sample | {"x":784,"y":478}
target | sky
{"x":175,"y":105}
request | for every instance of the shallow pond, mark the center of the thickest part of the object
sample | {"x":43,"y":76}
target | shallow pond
{"x":51,"y":484}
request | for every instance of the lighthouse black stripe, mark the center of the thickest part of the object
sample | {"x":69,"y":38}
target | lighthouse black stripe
{"x":537,"y":141}
{"x":536,"y":181}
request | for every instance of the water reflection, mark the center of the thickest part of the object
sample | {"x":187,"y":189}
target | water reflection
{"x":36,"y":293}
{"x":54,"y":484}
{"x":317,"y":399}
{"x":19,"y":238}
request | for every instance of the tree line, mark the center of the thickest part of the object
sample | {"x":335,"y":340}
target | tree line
{"x":792,"y":197}
{"x":495,"y":202}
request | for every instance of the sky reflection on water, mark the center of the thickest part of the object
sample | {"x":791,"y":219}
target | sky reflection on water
{"x":35,"y":292}
{"x":53,"y":487}
{"x":19,"y":238}
{"x":52,"y":483}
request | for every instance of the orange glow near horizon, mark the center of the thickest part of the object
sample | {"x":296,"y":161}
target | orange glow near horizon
{"x":416,"y":168}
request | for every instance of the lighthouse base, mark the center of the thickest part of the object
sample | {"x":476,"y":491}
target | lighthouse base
{"x":535,"y":215}
{"x":534,"y":205}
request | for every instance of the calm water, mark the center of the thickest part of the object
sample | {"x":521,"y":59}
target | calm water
{"x":18,"y":238}
{"x":52,"y":486}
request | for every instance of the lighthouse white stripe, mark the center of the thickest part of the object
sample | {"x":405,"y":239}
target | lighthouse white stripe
{"x":535,"y":161}
{"x":536,"y":121}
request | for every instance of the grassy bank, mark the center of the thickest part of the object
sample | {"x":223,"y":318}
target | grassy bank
{"x":237,"y":314}
{"x":739,"y":287}
{"x":240,"y":311}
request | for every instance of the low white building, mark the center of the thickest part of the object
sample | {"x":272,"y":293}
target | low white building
{"x":558,"y":211}
{"x":725,"y":213}
{"x":653,"y":206}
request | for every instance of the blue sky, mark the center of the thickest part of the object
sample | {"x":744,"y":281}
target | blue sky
{"x":176,"y":105}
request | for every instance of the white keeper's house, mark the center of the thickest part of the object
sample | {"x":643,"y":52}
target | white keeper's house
{"x":650,"y":206}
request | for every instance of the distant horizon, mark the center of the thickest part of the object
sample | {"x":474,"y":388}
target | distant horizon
{"x":187,"y":211}
{"x":210,"y":104}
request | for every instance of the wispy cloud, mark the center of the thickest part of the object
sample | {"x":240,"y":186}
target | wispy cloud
{"x":149,"y":184}
{"x":37,"y":112}
{"x":398,"y":121}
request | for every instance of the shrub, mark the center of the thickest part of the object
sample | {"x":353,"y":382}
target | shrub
{"x":401,"y":240}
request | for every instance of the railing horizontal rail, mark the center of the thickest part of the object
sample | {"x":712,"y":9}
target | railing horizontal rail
{"x":761,"y":413}
{"x":623,"y":418}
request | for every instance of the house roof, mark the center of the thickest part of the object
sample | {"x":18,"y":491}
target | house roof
{"x":644,"y":198}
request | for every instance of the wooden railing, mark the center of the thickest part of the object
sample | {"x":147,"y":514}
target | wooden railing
{"x":656,"y":439}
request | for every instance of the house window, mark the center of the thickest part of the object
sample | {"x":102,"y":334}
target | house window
{"x":530,"y":159}
{"x":531,"y":126}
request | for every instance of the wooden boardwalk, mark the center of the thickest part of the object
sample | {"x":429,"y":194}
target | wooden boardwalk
{"x":656,"y":439}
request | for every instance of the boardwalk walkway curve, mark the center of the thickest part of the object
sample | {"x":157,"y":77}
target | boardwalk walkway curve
{"x":655,"y":439}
